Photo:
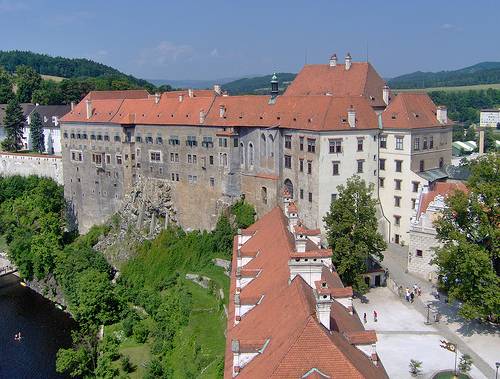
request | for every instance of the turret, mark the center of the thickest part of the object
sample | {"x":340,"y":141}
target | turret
{"x":274,"y":86}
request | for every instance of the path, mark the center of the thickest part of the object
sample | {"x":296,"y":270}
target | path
{"x":480,"y":340}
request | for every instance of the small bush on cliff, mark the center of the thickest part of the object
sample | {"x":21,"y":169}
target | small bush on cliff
{"x":244,"y":213}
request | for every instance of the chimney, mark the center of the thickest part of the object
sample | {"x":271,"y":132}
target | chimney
{"x":237,"y":310}
{"x":442,"y":114}
{"x":72,"y":106}
{"x":181,"y":97}
{"x":385,"y":94}
{"x":300,"y":243}
{"x":225,"y":94}
{"x":333,"y":60}
{"x":157,"y":98}
{"x":202,"y":116}
{"x":348,"y":61}
{"x":222,"y":110}
{"x":217,"y":89}
{"x":351,"y":117}
{"x":190,"y":92}
{"x":88,"y":104}
{"x":324,"y":303}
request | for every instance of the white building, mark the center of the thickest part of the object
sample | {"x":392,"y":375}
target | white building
{"x":489,"y":118}
{"x":430,"y":204}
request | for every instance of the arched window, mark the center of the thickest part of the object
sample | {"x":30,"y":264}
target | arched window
{"x":251,"y":156}
{"x":441,"y":162}
{"x":242,"y":154}
{"x":263,"y":146}
{"x":270,"y":143}
{"x":289,"y":185}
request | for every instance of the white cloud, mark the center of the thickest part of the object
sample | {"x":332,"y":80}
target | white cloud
{"x":166,"y":52}
{"x":447,"y":26}
{"x":12,"y":6}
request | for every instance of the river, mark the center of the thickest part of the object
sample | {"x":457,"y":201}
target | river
{"x":43,"y":327}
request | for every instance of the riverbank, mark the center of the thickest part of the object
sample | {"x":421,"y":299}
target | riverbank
{"x":44,"y":329}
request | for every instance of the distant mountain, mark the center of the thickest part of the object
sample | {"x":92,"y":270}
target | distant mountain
{"x":481,"y":73}
{"x":63,"y":67}
{"x":258,"y":85}
{"x":195,"y":84}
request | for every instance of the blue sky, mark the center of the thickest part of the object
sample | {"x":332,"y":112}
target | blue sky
{"x":216,"y":39}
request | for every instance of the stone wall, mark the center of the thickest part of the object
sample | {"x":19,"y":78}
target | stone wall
{"x":31,"y":164}
{"x":423,"y":239}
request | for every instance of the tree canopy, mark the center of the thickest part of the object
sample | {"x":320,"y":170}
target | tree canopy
{"x":13,"y":123}
{"x":27,"y":81}
{"x":351,"y":231}
{"x":6,"y":93}
{"x":36,"y":133}
{"x":468,"y":260}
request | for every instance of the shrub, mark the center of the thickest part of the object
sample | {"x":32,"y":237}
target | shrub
{"x":129,"y":324}
{"x":415,"y":367}
{"x":126,"y":364}
{"x":141,"y":332}
{"x":465,"y":363}
{"x":244,"y":213}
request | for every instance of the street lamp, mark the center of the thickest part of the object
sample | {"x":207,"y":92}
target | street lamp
{"x":497,"y":364}
{"x":428,"y":311}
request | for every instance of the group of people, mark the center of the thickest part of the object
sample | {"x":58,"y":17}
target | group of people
{"x":17,"y":336}
{"x":375,"y":316}
{"x":411,"y":294}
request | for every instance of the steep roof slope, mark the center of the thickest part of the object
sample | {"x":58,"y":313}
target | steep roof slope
{"x":319,"y":79}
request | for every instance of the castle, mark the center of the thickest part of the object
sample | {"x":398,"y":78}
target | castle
{"x":333,"y":121}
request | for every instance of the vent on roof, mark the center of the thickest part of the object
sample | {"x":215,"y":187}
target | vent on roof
{"x":294,"y":119}
{"x":393,"y":116}
{"x":278,"y":118}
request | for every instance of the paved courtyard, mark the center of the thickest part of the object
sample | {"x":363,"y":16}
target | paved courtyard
{"x":403,"y":335}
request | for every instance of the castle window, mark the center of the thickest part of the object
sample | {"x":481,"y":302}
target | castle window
{"x":422,"y":165}
{"x":84,"y":136}
{"x":65,"y":134}
{"x":381,"y":164}
{"x":159,"y":140}
{"x":211,"y":159}
{"x":441,"y":162}
{"x":399,"y":143}
{"x":288,"y":161}
{"x":207,"y":142}
{"x":311,"y":145}
{"x":212,"y":182}
{"x":138,"y":139}
{"x":99,"y":137}
{"x":397,"y":201}
{"x":310,"y":197}
{"x":381,"y":182}
{"x":413,"y":203}
{"x":397,"y":220}
{"x":301,"y":143}
{"x":149,"y":139}
{"x":108,"y":159}
{"x":117,"y":138}
{"x":222,"y":142}
{"x":425,"y":143}
{"x":154,"y":156}
{"x":118,"y":159}
{"x":92,"y":136}
{"x":288,"y":142}
{"x":76,"y":156}
{"x":360,"y":144}
{"x":97,"y":159}
{"x":106,"y":137}
{"x":251,"y":154}
{"x":301,"y":165}
{"x":309,"y":167}
{"x":174,"y":140}
{"x":431,"y":142}
{"x":263,"y":194}
{"x":399,"y":165}
{"x":335,"y":146}
{"x":191,"y":141}
{"x":301,"y":194}
{"x":397,"y":184}
{"x":419,"y":253}
{"x":335,"y":168}
{"x":383,"y":142}
{"x":416,"y":144}
{"x":415,"y":186}
{"x":360,"y":165}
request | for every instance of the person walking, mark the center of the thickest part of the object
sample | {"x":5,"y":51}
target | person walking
{"x":364,"y":318}
{"x":407,"y":294}
{"x":412,"y":297}
{"x":375,"y":315}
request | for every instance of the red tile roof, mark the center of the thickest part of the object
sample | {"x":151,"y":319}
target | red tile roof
{"x":126,"y":94}
{"x":319,"y":79}
{"x":410,"y":110}
{"x":440,"y":188}
{"x":283,"y":328}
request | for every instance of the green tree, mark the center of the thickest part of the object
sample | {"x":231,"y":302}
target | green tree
{"x":489,"y":140}
{"x":13,"y":123}
{"x":49,"y":93}
{"x":74,"y":362}
{"x":351,"y":230}
{"x":458,"y":133}
{"x":465,"y":363}
{"x":6,"y":93}
{"x":223,"y":235}
{"x":470,"y":134}
{"x":36,"y":133}
{"x":27,"y":81}
{"x":415,"y":367}
{"x":244,"y":213}
{"x":468,"y":260}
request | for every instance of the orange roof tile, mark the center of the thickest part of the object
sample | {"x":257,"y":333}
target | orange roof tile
{"x":125,"y":94}
{"x":364,"y":337}
{"x":440,"y":188}
{"x":319,"y":79}
{"x":411,"y":110}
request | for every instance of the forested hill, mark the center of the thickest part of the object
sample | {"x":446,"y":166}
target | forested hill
{"x":64,"y":67}
{"x":481,"y":73}
{"x":258,"y":85}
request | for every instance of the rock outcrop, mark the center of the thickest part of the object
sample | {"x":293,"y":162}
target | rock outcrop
{"x":146,"y":210}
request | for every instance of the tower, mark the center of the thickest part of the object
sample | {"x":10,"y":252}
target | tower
{"x":274,"y":86}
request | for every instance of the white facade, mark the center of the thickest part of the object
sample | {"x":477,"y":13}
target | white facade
{"x":52,"y":136}
{"x":31,"y":164}
{"x":489,"y":118}
{"x":347,"y":161}
{"x":398,"y":191}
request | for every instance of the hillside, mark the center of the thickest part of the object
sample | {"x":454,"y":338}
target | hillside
{"x":481,"y":73}
{"x":63,"y":67}
{"x":257,"y":85}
